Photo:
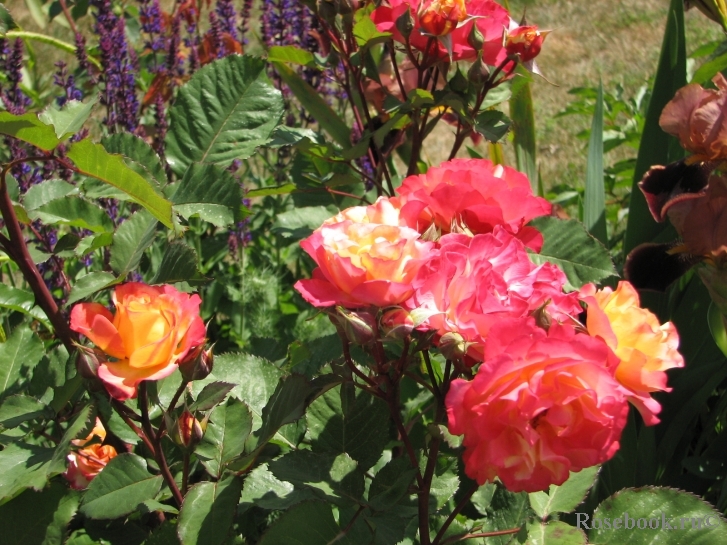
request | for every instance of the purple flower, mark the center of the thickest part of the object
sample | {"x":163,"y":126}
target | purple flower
{"x":150,"y":15}
{"x":13,"y":97}
{"x":227,"y":17}
{"x":67,"y":84}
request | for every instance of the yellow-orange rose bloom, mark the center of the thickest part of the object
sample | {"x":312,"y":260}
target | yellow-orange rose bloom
{"x":644,"y":347}
{"x":87,"y":462}
{"x":153,"y":330}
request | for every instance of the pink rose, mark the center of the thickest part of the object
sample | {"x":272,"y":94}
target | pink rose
{"x":698,"y":117}
{"x":361,"y":264}
{"x":492,"y":21}
{"x":542,"y":404}
{"x":472,"y":195}
{"x":152,"y":331}
{"x":476,"y":282}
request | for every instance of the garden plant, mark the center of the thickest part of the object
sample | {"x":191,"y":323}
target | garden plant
{"x":240,"y":306}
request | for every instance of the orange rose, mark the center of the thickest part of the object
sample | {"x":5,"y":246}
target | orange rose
{"x":86,"y":463}
{"x":644,"y":347}
{"x":153,"y":330}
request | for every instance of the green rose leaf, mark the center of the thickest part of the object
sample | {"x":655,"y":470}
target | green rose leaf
{"x":555,"y":533}
{"x":90,"y":284}
{"x":224,"y":439}
{"x":211,"y":193}
{"x":123,"y":484}
{"x":30,"y":129}
{"x":69,"y":119}
{"x":144,"y":160}
{"x":19,"y":408}
{"x":130,"y":241}
{"x":179,"y":264}
{"x":309,"y":523}
{"x":566,"y":497}
{"x":224,"y":112}
{"x":569,"y":246}
{"x":18,"y":357}
{"x":208,"y":511}
{"x":656,"y":516}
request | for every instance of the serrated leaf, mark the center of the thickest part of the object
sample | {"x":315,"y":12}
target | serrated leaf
{"x":566,"y":497}
{"x":23,"y":466}
{"x":130,"y":241}
{"x":262,"y":489}
{"x":122,"y":485}
{"x":286,"y":405}
{"x":19,"y":408}
{"x":492,"y":124}
{"x":362,"y":432}
{"x":80,"y":426}
{"x":6,"y":20}
{"x":69,"y":119}
{"x":569,"y":246}
{"x":686,"y":514}
{"x":16,"y":299}
{"x":93,"y":160}
{"x":179,"y":264}
{"x":391,"y":483}
{"x":224,"y":112}
{"x":92,"y":243}
{"x":30,"y":129}
{"x":291,"y":54}
{"x":45,"y":192}
{"x":225,"y":436}
{"x":309,"y":523}
{"x":90,"y":284}
{"x":210,"y":192}
{"x":75,"y":212}
{"x":145,"y":160}
{"x":39,"y":518}
{"x":211,"y":395}
{"x":18,"y":356}
{"x":208,"y":511}
{"x":555,"y":533}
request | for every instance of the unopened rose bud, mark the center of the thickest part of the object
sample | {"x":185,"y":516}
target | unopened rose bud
{"x":198,"y":363}
{"x":475,"y":38}
{"x":187,"y":431}
{"x":525,"y":42}
{"x":478,"y":72}
{"x":452,"y":346}
{"x":88,"y":361}
{"x":358,"y":326}
{"x":405,"y":24}
{"x":542,"y":318}
{"x":397,"y":323}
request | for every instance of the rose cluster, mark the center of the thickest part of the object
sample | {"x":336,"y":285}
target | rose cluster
{"x":448,"y":255}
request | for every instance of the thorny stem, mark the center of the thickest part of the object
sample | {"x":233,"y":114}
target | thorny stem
{"x":156,"y":445}
{"x":18,"y":251}
{"x":496,"y":533}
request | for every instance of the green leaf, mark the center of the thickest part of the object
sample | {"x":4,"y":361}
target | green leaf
{"x":92,"y":243}
{"x":284,"y":189}
{"x":19,"y":408}
{"x":179,"y":264}
{"x":23,"y":466}
{"x":6,"y":20}
{"x":75,"y":212}
{"x":657,"y":147}
{"x":122,"y":485}
{"x":301,"y":222}
{"x":90,"y":284}
{"x":262,"y":489}
{"x":286,"y":405}
{"x":492,"y":124}
{"x":594,"y":205}
{"x":566,"y":497}
{"x":710,"y":69}
{"x":692,"y":520}
{"x":312,"y":101}
{"x":69,"y":119}
{"x":224,"y":439}
{"x":210,"y":192}
{"x":30,"y":129}
{"x":335,"y":478}
{"x":211,"y":395}
{"x":45,"y":192}
{"x":291,"y":54}
{"x":40,"y":518}
{"x":80,"y":426}
{"x":144,"y":160}
{"x":555,"y":533}
{"x":18,"y":356}
{"x":93,"y":160}
{"x":130,"y":241}
{"x":507,"y":510}
{"x":16,"y":299}
{"x":366,"y":33}
{"x":223,"y":113}
{"x":309,"y":523}
{"x":361,"y":432}
{"x":523,"y":128}
{"x":391,"y":483}
{"x":717,"y":327}
{"x":569,"y":246}
{"x":208,"y":511}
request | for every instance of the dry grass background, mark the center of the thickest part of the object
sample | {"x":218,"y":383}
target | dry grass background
{"x":616,"y":40}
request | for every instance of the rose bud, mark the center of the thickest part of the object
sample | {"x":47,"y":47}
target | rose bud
{"x":397,"y":323}
{"x":198,"y":363}
{"x":525,"y":41}
{"x":441,"y":17}
{"x":187,"y":431}
{"x":357,"y":326}
{"x":452,"y":346}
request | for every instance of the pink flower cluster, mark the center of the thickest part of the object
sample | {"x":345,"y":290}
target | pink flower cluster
{"x":448,"y":254}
